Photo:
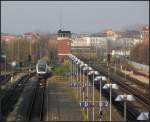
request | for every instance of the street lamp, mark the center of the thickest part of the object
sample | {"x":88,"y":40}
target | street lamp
{"x":81,"y":65}
{"x":143,"y":116}
{"x":77,"y":74}
{"x":84,"y":67}
{"x":76,"y":62}
{"x":110,"y":86}
{"x":87,"y":68}
{"x":71,"y":70}
{"x":94,"y":73}
{"x":100,"y":78}
{"x":125,"y":98}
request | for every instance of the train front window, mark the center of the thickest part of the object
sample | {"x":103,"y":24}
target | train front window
{"x":42,"y":67}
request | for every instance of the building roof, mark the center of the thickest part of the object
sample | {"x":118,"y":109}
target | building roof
{"x":60,"y":31}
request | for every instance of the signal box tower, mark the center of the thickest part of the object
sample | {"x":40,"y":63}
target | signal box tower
{"x":64,"y":44}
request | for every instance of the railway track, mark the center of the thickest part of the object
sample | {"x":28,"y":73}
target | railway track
{"x":135,"y":81}
{"x":143,"y":99}
{"x":11,"y":96}
{"x":4,"y":80}
{"x":133,"y":110}
{"x":131,"y":113}
{"x":35,"y":112}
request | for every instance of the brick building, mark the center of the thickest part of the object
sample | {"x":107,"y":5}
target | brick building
{"x":145,"y":34}
{"x":64,"y":44}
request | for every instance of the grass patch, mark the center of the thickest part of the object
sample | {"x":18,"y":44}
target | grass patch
{"x":61,"y":69}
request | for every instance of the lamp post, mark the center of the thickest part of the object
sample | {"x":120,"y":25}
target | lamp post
{"x":110,"y":86}
{"x":93,"y":73}
{"x":83,"y":83}
{"x":81,"y":65}
{"x":143,"y":116}
{"x":100,"y":78}
{"x":87,"y":68}
{"x":77,"y":72}
{"x":125,"y":98}
{"x":85,"y":65}
{"x":71,"y":69}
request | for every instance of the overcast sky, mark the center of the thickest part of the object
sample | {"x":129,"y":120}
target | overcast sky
{"x":76,"y":16}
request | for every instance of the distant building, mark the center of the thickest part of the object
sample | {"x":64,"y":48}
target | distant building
{"x":30,"y":36}
{"x":89,"y":41}
{"x":111,"y":34}
{"x":120,"y":53}
{"x":145,"y":34}
{"x":128,"y":42}
{"x":8,"y":37}
{"x":131,"y":34}
{"x":64,"y":44}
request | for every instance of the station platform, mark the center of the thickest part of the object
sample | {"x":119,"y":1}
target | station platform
{"x":60,"y":105}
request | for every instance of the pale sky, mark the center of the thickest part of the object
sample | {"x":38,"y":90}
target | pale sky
{"x":45,"y":16}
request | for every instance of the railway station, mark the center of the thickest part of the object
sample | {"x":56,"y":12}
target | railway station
{"x":68,"y":76}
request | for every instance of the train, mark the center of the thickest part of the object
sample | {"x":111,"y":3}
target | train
{"x":42,"y":69}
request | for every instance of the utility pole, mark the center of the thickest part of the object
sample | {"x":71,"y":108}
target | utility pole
{"x":18,"y":52}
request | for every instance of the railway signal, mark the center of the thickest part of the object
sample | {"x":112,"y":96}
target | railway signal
{"x":4,"y":56}
{"x":29,"y":58}
{"x":108,"y":57}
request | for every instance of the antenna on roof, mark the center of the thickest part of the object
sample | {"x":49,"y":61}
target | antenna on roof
{"x":60,"y":18}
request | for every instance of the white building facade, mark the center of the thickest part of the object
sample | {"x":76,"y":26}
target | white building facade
{"x":89,"y":41}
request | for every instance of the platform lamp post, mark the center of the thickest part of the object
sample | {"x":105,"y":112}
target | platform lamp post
{"x":144,"y":116}
{"x":100,"y":78}
{"x":84,"y":66}
{"x":125,"y":98}
{"x":110,"y":86}
{"x":74,"y":73}
{"x":71,"y":71}
{"x":76,"y":60}
{"x":81,"y":65}
{"x":71,"y":68}
{"x":77,"y":76}
{"x":87,"y":68}
{"x":93,"y":73}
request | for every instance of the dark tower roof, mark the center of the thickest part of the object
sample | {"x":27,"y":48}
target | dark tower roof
{"x":64,"y":33}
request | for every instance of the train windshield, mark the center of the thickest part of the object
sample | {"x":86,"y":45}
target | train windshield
{"x":42,"y":67}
